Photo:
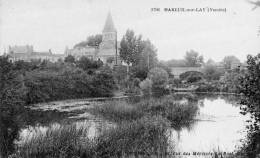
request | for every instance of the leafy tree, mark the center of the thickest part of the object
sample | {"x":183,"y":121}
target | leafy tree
{"x":104,"y":82}
{"x":250,"y":88}
{"x":231,"y":80}
{"x":12,"y":92}
{"x":93,"y":41}
{"x":229,"y":60}
{"x":191,"y":76}
{"x":146,"y":86}
{"x":176,"y":63}
{"x":211,"y":72}
{"x":141,"y":54}
{"x":147,"y":60}
{"x":70,"y":59}
{"x":159,"y":78}
{"x":193,"y":59}
{"x":88,"y":64}
{"x":130,"y":48}
{"x":110,"y":60}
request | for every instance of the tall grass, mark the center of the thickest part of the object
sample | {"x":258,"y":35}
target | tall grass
{"x":145,"y":136}
{"x":63,"y":141}
{"x":177,"y":113}
{"x":117,"y":111}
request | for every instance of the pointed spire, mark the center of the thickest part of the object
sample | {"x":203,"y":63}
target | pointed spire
{"x":109,"y":25}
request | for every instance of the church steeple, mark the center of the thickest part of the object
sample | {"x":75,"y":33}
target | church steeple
{"x":109,"y":25}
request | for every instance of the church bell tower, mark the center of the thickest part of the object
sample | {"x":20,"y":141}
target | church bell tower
{"x":108,"y":46}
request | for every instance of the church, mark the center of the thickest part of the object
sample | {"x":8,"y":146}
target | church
{"x":107,"y":51}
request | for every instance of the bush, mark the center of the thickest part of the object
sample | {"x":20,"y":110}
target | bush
{"x":146,"y":86}
{"x":46,"y":85}
{"x":159,"y":78}
{"x":191,"y":76}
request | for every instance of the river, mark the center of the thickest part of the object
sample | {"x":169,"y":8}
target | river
{"x":218,"y":126}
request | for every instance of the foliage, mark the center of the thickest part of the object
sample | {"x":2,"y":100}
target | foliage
{"x":191,"y":76}
{"x":213,"y":86}
{"x":231,"y":79}
{"x":88,"y":64}
{"x":146,"y":136}
{"x":193,"y":59}
{"x":93,"y":41}
{"x":110,"y":60}
{"x":211,"y":72}
{"x":159,"y":78}
{"x":176,"y":113}
{"x":229,"y":60}
{"x":58,"y":141}
{"x":146,"y":86}
{"x":250,"y":88}
{"x":141,"y":54}
{"x":70,"y":59}
{"x":12,"y":92}
{"x":130,"y":48}
{"x":176,"y":63}
{"x":117,"y":111}
{"x":103,"y":83}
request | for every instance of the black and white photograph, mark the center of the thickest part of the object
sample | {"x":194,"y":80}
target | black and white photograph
{"x":129,"y":78}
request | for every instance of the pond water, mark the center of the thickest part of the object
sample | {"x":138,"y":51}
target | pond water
{"x":218,"y":126}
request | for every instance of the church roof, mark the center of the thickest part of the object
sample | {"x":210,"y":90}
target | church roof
{"x":109,"y":25}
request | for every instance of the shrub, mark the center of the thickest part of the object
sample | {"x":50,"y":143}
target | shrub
{"x":159,"y":78}
{"x":191,"y":76}
{"x":146,"y":86}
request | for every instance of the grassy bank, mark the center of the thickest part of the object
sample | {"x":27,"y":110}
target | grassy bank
{"x":144,"y":136}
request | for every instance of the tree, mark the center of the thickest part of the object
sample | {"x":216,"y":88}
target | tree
{"x":176,"y":63}
{"x":70,"y":59}
{"x":131,"y":48}
{"x":159,"y":78}
{"x":250,"y":88}
{"x":88,"y":64}
{"x":193,"y":59}
{"x":12,"y":94}
{"x":141,"y":54}
{"x":147,"y":60}
{"x":93,"y":41}
{"x":211,"y":72}
{"x":228,"y":61}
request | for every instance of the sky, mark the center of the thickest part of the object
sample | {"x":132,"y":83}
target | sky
{"x":55,"y":24}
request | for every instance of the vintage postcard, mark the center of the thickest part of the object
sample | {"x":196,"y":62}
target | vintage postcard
{"x":129,"y":79}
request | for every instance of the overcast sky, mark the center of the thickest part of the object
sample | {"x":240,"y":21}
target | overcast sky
{"x":55,"y":24}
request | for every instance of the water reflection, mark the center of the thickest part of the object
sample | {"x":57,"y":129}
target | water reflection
{"x":219,"y":126}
